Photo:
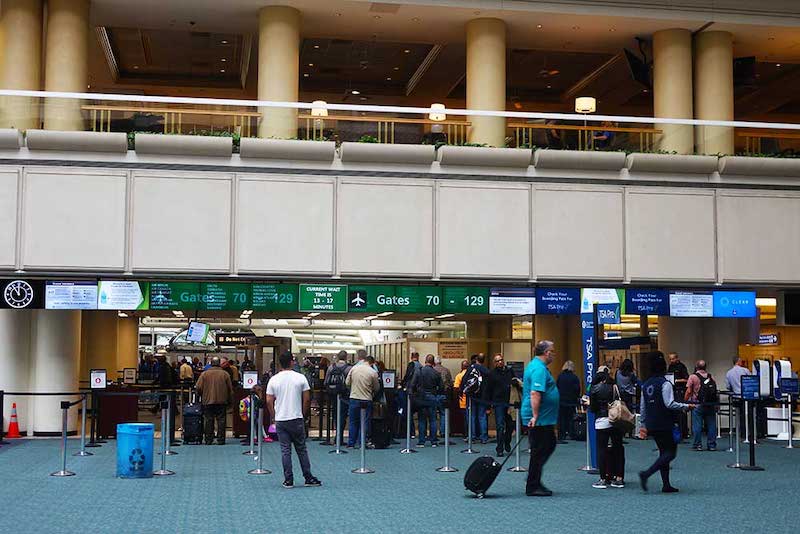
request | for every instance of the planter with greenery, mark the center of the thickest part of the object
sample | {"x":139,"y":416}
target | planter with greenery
{"x":671,"y":163}
{"x":10,"y":139}
{"x":184,"y":145}
{"x":759,"y":165}
{"x":374,"y":152}
{"x":587,"y":160}
{"x":289,"y":149}
{"x":484,"y":156}
{"x":76,"y":141}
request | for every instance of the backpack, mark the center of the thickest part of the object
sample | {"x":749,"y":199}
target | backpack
{"x":337,"y":381}
{"x":708,"y":389}
{"x":471,"y":385}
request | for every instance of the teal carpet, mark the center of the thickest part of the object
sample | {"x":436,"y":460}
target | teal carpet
{"x":212,"y":492}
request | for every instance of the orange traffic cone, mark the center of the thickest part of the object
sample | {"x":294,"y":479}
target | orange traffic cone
{"x":13,"y":426}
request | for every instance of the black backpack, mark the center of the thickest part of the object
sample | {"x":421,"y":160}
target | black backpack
{"x":337,"y":381}
{"x":471,"y":384}
{"x":708,"y":390}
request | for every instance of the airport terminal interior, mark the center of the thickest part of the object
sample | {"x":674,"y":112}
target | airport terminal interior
{"x":186,"y":185}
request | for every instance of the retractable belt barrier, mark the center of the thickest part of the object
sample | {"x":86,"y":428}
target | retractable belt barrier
{"x":65,"y":406}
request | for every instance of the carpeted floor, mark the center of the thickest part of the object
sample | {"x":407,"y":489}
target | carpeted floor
{"x":212,"y":492}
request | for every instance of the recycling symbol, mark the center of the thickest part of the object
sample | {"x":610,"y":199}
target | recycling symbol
{"x":136,"y":459}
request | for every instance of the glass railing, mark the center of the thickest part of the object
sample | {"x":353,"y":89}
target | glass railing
{"x":341,"y":123}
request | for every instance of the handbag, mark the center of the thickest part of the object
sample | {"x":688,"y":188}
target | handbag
{"x":619,"y":415}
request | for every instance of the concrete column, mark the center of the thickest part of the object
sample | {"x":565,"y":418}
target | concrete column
{"x":20,"y":67}
{"x":554,"y":328}
{"x":477,"y":332}
{"x":55,"y":355}
{"x":672,"y":87}
{"x":108,"y":342}
{"x":714,"y":340}
{"x":499,"y":329}
{"x":127,"y":343}
{"x":66,"y":61}
{"x":278,"y":69}
{"x":486,"y":79}
{"x":15,"y":365}
{"x":713,"y":91}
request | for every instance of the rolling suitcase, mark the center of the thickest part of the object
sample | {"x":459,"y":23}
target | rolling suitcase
{"x":579,"y":427}
{"x":193,"y":424}
{"x":483,"y":472}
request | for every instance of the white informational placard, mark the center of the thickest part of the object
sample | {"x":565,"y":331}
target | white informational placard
{"x":119,"y":295}
{"x":597,"y":295}
{"x":97,"y":379}
{"x":70,"y":296}
{"x":197,"y":332}
{"x":691,"y":304}
{"x":249,"y":379}
{"x":670,"y":378}
{"x":512,"y":301}
{"x":129,"y":375}
{"x":389,"y":378}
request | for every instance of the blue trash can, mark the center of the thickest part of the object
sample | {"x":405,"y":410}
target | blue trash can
{"x":135,"y":450}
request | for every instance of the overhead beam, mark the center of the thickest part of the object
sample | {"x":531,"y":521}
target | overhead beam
{"x":772,"y":95}
{"x":423,"y":68}
{"x":581,"y":85}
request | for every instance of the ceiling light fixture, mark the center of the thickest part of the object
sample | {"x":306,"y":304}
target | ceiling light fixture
{"x":313,"y":314}
{"x":370,"y":317}
{"x":396,"y":68}
{"x":224,"y":41}
{"x":388,"y":79}
{"x":415,"y":19}
{"x":310,"y":64}
{"x":445,"y":315}
{"x":305,"y":75}
{"x":585,"y":104}
{"x":316,"y":47}
{"x":355,"y":92}
{"x":612,"y":30}
{"x":223,"y":60}
{"x":319,"y":109}
{"x":222,"y":70}
{"x":778,"y":65}
{"x":437,"y":112}
{"x":122,"y":314}
{"x":406,"y":51}
{"x":428,"y":318}
{"x":136,"y":67}
{"x":538,"y":26}
{"x":385,"y":314}
{"x":376,"y":17}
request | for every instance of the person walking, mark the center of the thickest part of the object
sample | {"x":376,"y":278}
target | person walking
{"x":701,"y":390}
{"x":216,"y":391}
{"x":497,"y":394}
{"x":657,"y":408}
{"x":289,"y":402}
{"x":610,"y":460}
{"x":540,"y":401}
{"x":363,"y":382}
{"x":569,"y":391}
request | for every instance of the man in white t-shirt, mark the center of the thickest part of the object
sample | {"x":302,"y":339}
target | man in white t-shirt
{"x":288,"y":400}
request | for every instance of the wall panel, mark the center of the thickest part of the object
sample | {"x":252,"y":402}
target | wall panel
{"x":8,"y":216}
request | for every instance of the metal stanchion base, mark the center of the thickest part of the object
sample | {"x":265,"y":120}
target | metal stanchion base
{"x":751,"y":468}
{"x":408,"y":451}
{"x":518,"y":469}
{"x":249,"y":453}
{"x":735,"y":466}
{"x":92,"y":445}
{"x":469,"y":450}
{"x":163,"y":472}
{"x":589,"y":470}
{"x":337,"y":451}
{"x":83,"y":453}
{"x":363,"y":471}
{"x":169,"y":453}
{"x":447,"y":469}
{"x":259,"y":472}
{"x":62,"y":473}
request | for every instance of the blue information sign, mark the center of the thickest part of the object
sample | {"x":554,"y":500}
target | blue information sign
{"x":751,"y":387}
{"x":790,"y":386}
{"x":558,"y":301}
{"x":734,"y":303}
{"x":647,"y":301}
{"x":608,"y":313}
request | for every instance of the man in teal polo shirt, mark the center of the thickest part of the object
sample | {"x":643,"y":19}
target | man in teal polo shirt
{"x":540,"y":411}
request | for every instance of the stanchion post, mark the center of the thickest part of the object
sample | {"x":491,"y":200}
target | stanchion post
{"x":339,"y":429}
{"x":751,"y":423}
{"x":63,"y":472}
{"x":789,"y":429}
{"x":470,"y":408}
{"x":168,"y":451}
{"x":588,"y":468}
{"x":518,"y":428}
{"x":252,"y":451}
{"x":446,"y":468}
{"x":737,"y":464}
{"x":163,"y":471}
{"x":408,"y":449}
{"x":2,"y":411}
{"x":83,"y":451}
{"x":731,"y":422}
{"x":259,"y":470}
{"x":93,"y":429}
{"x":325,"y":398}
{"x":363,"y":469}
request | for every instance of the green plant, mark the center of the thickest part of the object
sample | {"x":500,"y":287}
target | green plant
{"x":235,"y":136}
{"x":368,"y":139}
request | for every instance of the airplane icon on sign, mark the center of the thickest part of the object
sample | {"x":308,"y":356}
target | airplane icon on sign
{"x":358,"y":301}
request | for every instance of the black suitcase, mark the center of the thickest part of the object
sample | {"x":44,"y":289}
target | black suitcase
{"x":192,"y":424}
{"x":482,"y":473}
{"x":579,"y":427}
{"x":381,"y":435}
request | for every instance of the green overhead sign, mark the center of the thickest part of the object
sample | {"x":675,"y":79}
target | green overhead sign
{"x":275,"y":297}
{"x":466,"y":300}
{"x":323,"y":298}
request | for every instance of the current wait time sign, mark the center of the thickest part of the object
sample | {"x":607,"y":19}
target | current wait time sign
{"x":323,"y":298}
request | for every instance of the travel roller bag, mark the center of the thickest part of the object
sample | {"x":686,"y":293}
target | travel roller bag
{"x":483,"y":472}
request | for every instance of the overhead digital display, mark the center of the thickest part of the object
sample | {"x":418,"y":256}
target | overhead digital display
{"x":197,"y":332}
{"x":20,"y":294}
{"x":419,"y":299}
{"x":122,"y":295}
{"x":691,"y":304}
{"x":274,"y":297}
{"x":175,"y":296}
{"x":466,"y":300}
{"x":70,"y":296}
{"x":323,"y":298}
{"x":220,"y":296}
{"x":558,"y":301}
{"x":373,"y":299}
{"x":735,"y":304}
{"x":647,"y":301}
{"x":512,"y":300}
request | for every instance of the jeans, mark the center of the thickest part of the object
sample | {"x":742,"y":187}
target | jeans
{"x":442,"y":400}
{"x":343,"y":405}
{"x":428,"y":406}
{"x":355,"y":420}
{"x":290,"y":433}
{"x":214,"y":413}
{"x":566,"y":422}
{"x":610,"y":460}
{"x":707,"y":415}
{"x":542,"y":440}
{"x":504,"y":429}
{"x":667,"y":449}
{"x":480,"y":421}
